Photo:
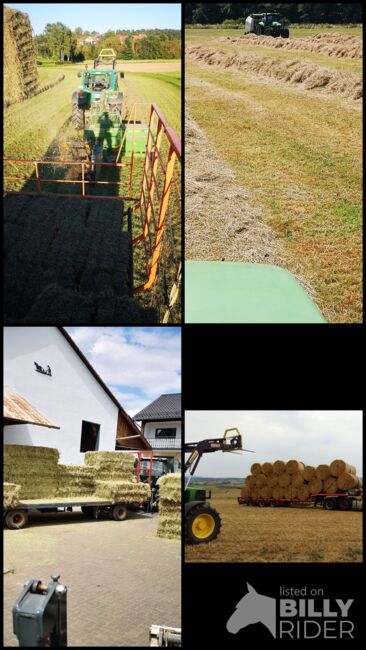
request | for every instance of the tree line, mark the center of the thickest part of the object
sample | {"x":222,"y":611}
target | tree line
{"x":59,"y":43}
{"x":308,"y":12}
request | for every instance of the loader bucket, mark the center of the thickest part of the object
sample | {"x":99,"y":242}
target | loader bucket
{"x":224,"y":292}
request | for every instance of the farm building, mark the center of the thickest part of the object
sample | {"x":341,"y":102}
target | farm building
{"x":162,"y":427}
{"x":20,"y":68}
{"x":50,"y":382}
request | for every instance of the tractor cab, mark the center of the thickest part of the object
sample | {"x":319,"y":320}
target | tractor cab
{"x":151,"y":471}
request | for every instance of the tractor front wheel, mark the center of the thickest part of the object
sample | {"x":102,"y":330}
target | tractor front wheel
{"x":77,"y":117}
{"x":285,"y":33}
{"x":202,"y":525}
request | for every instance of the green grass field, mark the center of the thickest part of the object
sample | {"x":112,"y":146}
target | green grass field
{"x":299,"y":155}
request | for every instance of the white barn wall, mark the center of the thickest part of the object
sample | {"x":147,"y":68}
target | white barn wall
{"x":71,"y":395}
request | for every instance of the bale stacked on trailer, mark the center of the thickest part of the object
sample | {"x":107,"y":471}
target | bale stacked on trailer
{"x":170,"y":506}
{"x":75,"y":481}
{"x":295,"y":480}
{"x":33,"y":468}
{"x":111,"y":465}
{"x":20,"y":67}
{"x":11,"y":495}
{"x":122,"y":491}
{"x":114,"y":476}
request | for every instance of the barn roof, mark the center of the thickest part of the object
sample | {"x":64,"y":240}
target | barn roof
{"x":165,"y":407}
{"x":17,"y":410}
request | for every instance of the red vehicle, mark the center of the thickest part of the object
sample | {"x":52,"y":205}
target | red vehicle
{"x":337,"y":501}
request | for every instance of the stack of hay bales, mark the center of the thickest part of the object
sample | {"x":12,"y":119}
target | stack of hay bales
{"x":170,"y":506}
{"x":20,"y":67}
{"x":35,"y":469}
{"x":295,"y":480}
{"x":11,"y":495}
{"x":75,"y":481}
{"x":114,"y":476}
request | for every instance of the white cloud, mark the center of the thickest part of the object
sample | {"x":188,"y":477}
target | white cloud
{"x":313,"y":437}
{"x":145,"y":359}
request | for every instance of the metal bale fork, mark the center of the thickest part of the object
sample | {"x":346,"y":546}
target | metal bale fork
{"x":39,"y":614}
{"x":163,"y":636}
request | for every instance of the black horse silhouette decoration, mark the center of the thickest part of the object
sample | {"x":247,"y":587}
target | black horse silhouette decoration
{"x":42,"y":370}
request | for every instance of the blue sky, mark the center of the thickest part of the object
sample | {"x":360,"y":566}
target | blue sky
{"x":138,"y":364}
{"x":102,"y":16}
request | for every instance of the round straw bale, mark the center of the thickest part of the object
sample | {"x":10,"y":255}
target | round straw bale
{"x":294,"y":491}
{"x":330,"y":485}
{"x":267,"y":468}
{"x":293,"y":466}
{"x":261,"y":479}
{"x":272,"y":480}
{"x":315,"y":485}
{"x":303,"y":492}
{"x":276,"y":491}
{"x":284,"y":479}
{"x":297,"y":479}
{"x":347,"y":481}
{"x":309,"y":472}
{"x":322,"y":472}
{"x":338,"y":467}
{"x":288,"y":492}
{"x":254,"y":493}
{"x":250,"y":481}
{"x":265,"y":492}
{"x":279,"y":466}
{"x":256,"y":469}
{"x":245,"y":492}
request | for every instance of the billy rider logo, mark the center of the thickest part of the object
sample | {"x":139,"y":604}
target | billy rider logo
{"x":300,"y":618}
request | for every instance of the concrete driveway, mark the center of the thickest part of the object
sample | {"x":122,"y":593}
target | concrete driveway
{"x":121,"y":577}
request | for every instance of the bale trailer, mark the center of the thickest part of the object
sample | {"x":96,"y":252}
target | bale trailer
{"x":337,"y":501}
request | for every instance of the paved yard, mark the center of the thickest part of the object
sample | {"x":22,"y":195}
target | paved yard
{"x":121,"y":577}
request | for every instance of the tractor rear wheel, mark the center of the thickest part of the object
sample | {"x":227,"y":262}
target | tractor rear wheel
{"x":202,"y":525}
{"x":77,"y":117}
{"x":285,"y":33}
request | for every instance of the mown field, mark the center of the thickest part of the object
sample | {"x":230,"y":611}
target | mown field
{"x":286,"y":127}
{"x":31,"y":126}
{"x":251,"y":534}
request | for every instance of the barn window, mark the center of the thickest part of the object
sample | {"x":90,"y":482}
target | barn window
{"x":89,"y":436}
{"x":165,"y":433}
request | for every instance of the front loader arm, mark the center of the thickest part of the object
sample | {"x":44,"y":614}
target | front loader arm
{"x":197,"y":449}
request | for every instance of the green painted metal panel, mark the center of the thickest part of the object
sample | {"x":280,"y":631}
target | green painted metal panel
{"x":225,"y":292}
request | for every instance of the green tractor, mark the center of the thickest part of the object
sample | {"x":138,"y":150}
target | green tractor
{"x":202,"y":521}
{"x":98,"y":90}
{"x":267,"y":24}
{"x":97,"y":109}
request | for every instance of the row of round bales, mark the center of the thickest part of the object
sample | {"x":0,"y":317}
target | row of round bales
{"x":296,"y":480}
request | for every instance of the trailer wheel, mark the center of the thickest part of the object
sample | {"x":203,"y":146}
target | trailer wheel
{"x":261,"y":504}
{"x":330,"y":504}
{"x":344,"y":503}
{"x":119,"y":512}
{"x":16,"y":519}
{"x":273,"y":504}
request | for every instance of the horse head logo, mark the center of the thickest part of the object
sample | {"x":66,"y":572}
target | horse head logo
{"x":253,"y":608}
